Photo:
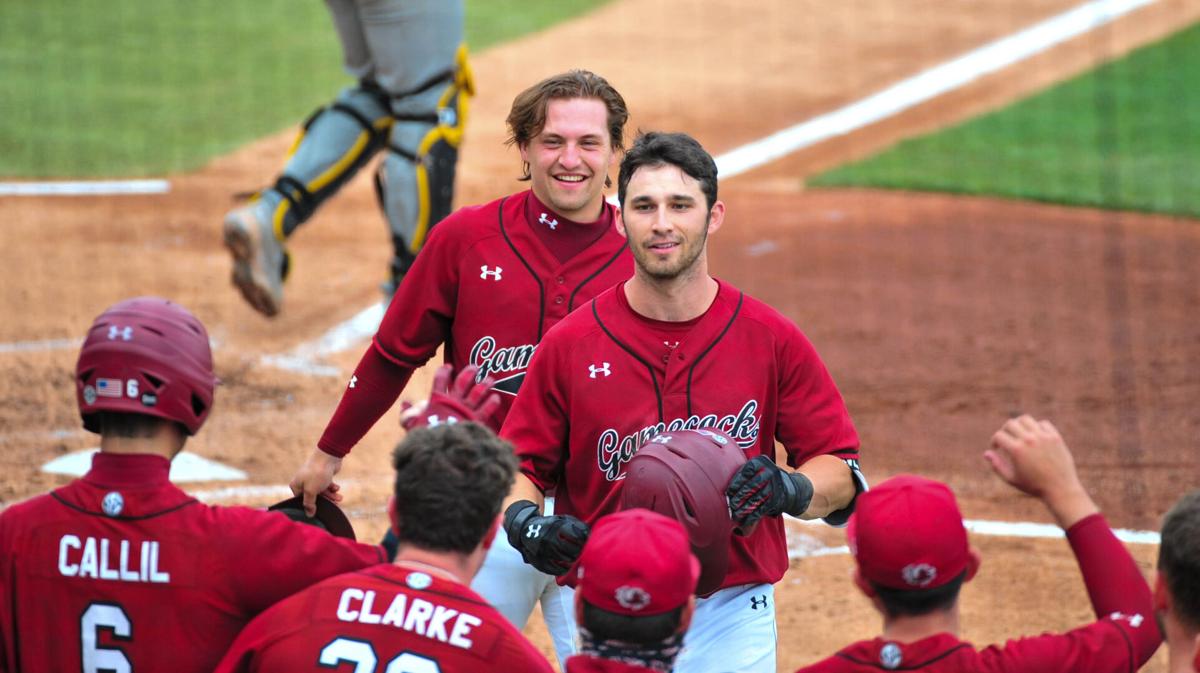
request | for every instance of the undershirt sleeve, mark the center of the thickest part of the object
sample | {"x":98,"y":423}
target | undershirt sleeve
{"x":376,"y":384}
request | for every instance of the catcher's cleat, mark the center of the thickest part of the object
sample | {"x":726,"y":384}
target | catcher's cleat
{"x":259,"y":261}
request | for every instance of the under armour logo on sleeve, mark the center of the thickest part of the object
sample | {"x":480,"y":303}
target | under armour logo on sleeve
{"x":603,"y":369}
{"x":533,"y":531}
{"x":484,"y":272}
{"x":1135,"y":619}
{"x":546,"y":220}
{"x":353,"y":380}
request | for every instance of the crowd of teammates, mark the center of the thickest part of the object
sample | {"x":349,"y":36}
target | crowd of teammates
{"x":122,"y":571}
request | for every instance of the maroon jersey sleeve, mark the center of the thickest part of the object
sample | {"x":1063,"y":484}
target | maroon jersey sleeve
{"x":813,"y":419}
{"x":373,"y":389}
{"x":1125,"y":636}
{"x":537,"y":425}
{"x":270,"y":557}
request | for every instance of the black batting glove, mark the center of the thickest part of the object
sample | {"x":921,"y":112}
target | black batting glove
{"x":762,"y":488}
{"x":551,"y":544}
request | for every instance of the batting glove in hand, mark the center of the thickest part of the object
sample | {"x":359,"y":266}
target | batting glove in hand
{"x":549,"y":543}
{"x":762,"y":488}
{"x":465,"y":401}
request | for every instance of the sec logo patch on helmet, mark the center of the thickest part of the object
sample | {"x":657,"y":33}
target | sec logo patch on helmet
{"x":89,"y":395}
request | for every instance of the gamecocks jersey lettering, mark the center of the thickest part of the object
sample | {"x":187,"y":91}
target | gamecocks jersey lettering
{"x":600,"y":387}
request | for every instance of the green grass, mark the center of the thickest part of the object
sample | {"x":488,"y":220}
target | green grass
{"x":95,"y":88}
{"x":1124,"y":136}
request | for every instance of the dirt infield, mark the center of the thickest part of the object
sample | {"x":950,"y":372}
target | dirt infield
{"x":938,"y":316}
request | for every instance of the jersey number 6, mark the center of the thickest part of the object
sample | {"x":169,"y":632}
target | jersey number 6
{"x":109,"y":617}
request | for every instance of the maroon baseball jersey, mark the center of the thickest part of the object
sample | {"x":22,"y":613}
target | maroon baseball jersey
{"x":1121,"y":641}
{"x":395,"y":618}
{"x":487,"y":286}
{"x":606,"y":379}
{"x":122,"y":571}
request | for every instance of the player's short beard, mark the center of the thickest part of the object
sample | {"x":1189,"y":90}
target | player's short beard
{"x":685,"y":263}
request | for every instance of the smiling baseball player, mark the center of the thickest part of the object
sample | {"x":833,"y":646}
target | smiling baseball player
{"x":489,"y":283}
{"x":673,"y":348}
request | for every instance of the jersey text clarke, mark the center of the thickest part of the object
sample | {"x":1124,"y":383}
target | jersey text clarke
{"x":613,"y":450}
{"x":418,"y":616}
{"x":104,"y":559}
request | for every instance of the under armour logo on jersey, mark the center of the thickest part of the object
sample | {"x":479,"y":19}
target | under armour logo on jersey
{"x":353,"y":380}
{"x":757,"y":602}
{"x":124,"y":333}
{"x":484,"y":272}
{"x":603,"y":369}
{"x":534,"y":530}
{"x":1135,"y":620}
{"x":546,"y":220}
{"x":435,"y":420}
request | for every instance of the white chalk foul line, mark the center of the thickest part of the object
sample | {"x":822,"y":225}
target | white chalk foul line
{"x":305,"y":358}
{"x":1020,"y":529}
{"x":85,"y":188}
{"x":895,"y":99}
{"x":928,"y":85}
{"x":38,"y":346}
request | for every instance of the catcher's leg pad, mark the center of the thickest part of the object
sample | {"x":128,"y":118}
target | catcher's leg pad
{"x":334,"y":143}
{"x":415,"y":181}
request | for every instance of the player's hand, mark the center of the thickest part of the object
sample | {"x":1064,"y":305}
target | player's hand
{"x":762,"y":488}
{"x":551,"y":544}
{"x":1031,"y":456}
{"x":315,"y":477}
{"x":462,"y":400}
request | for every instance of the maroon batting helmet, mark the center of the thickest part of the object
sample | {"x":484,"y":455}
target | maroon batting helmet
{"x":683,"y":475}
{"x":146,"y":356}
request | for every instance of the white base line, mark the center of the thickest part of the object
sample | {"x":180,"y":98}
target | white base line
{"x":85,"y":188}
{"x":927,"y":85}
{"x":38,"y":346}
{"x":1023,"y":529}
{"x":896,"y":98}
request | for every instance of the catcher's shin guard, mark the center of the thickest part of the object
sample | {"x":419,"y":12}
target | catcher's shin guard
{"x":415,"y":181}
{"x":335,"y":142}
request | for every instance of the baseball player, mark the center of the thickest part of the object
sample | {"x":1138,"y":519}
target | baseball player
{"x":637,"y":577}
{"x":914,"y":579}
{"x":122,"y":571}
{"x":417,"y":613}
{"x":671,"y":349}
{"x":410,"y":101}
{"x":489,"y":283}
{"x":1177,"y":584}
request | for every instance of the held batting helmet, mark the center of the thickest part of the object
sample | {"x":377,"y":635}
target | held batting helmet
{"x":683,"y":475}
{"x":146,"y":356}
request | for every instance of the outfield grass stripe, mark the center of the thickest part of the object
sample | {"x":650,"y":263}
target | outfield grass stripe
{"x":928,"y":85}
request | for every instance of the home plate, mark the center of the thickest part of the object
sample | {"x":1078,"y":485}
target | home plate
{"x":187,"y":466}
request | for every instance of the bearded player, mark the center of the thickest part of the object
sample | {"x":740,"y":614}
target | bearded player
{"x":489,"y":283}
{"x":120,"y":570}
{"x":673,"y":348}
{"x":417,"y":613}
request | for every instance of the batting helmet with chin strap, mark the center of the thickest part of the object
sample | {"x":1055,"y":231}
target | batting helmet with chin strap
{"x":683,"y":475}
{"x":146,"y":356}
